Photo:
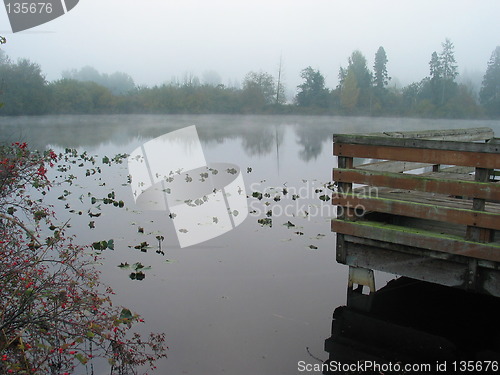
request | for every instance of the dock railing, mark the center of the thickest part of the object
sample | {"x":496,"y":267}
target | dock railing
{"x":424,"y":205}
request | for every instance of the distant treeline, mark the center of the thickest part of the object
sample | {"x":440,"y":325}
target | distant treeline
{"x":360,"y":91}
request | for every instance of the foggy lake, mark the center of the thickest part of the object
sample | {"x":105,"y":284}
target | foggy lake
{"x":258,"y":299}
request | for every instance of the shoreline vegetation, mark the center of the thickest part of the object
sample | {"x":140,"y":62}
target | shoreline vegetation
{"x":57,"y":316}
{"x":360,"y":92}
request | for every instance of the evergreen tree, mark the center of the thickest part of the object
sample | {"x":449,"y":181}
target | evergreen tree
{"x":443,"y":72}
{"x":436,"y":75}
{"x":449,"y":71}
{"x":436,"y":72}
{"x":342,"y":76}
{"x":489,"y":95}
{"x":379,"y":96}
{"x":447,"y":61}
{"x":381,"y":78}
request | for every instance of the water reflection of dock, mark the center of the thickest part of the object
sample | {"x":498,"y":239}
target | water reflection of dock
{"x":428,"y":208}
{"x":417,"y":323}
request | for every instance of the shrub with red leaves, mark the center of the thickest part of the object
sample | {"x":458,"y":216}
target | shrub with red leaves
{"x":55,"y":315}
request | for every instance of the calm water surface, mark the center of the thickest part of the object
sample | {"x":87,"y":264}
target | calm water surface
{"x":256,"y":300}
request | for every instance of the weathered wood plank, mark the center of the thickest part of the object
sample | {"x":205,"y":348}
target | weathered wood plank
{"x":457,"y":169}
{"x":424,"y":198}
{"x":471,"y":134}
{"x":419,"y":210}
{"x":415,"y":251}
{"x":483,"y":190}
{"x":393,"y":166}
{"x":406,"y":264}
{"x":451,"y":229}
{"x":417,"y":238}
{"x":421,"y":155}
{"x":450,"y":175}
{"x":356,"y":139}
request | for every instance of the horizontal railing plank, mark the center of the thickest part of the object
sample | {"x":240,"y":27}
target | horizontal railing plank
{"x":417,"y":238}
{"x":483,"y":190}
{"x":460,"y":216}
{"x":427,"y":198}
{"x":456,"y":169}
{"x":356,"y":139}
{"x":449,"y":175}
{"x":470,"y":134}
{"x":420,"y":155}
{"x":393,"y":166}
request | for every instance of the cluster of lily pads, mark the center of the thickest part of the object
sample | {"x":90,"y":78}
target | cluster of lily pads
{"x":94,"y":168}
{"x":269,"y":198}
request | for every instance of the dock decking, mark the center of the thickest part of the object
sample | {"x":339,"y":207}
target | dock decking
{"x":425,"y":205}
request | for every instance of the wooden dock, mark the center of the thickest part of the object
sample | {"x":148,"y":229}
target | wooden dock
{"x":425,"y":205}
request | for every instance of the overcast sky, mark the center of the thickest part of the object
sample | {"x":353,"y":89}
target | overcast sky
{"x":155,"y":40}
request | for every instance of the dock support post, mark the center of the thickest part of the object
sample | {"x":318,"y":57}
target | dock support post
{"x":343,"y":213}
{"x":471,"y":278}
{"x":360,"y":277}
{"x":474,"y":233}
